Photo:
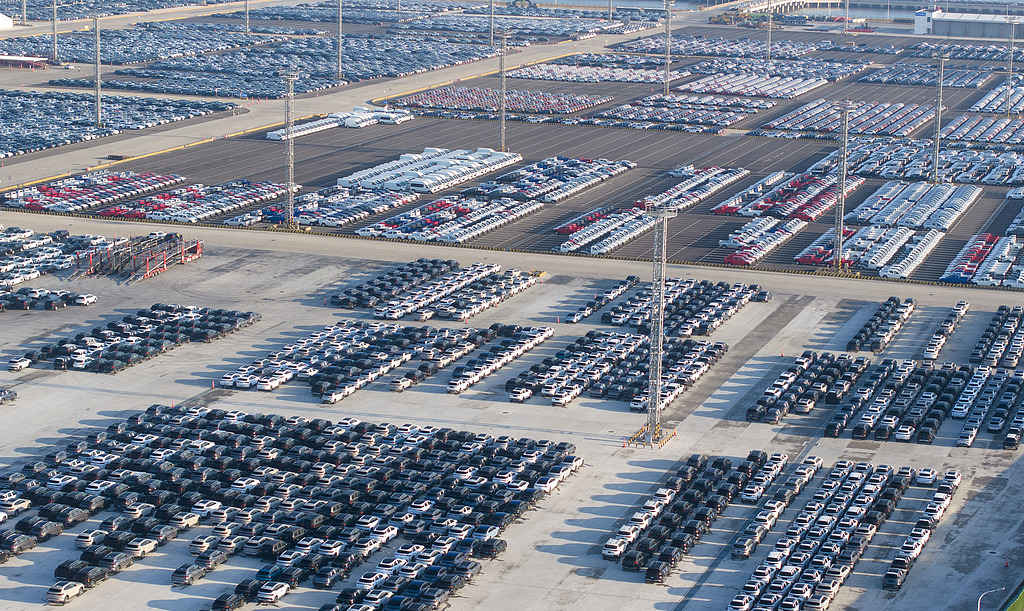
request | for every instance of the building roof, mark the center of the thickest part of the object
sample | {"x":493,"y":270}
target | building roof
{"x":968,"y":17}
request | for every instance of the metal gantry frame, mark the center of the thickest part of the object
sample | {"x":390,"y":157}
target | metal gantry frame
{"x":1012,"y":20}
{"x":99,"y":95}
{"x":845,"y":108}
{"x":941,"y":57}
{"x":289,"y":213}
{"x":661,"y":214}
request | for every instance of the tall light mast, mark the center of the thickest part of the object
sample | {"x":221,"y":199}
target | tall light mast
{"x":837,"y":252}
{"x":99,"y":95}
{"x":289,"y":213}
{"x":1012,"y":20}
{"x":941,"y":57}
{"x":661,"y":215}
{"x":341,"y":39}
{"x":668,"y":42}
{"x":502,"y":101}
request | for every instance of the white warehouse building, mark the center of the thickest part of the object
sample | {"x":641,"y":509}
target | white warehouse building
{"x":963,"y":25}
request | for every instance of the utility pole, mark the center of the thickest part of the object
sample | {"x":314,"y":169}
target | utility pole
{"x":661,"y":215}
{"x":289,"y":214}
{"x":942,"y":57}
{"x":609,"y":10}
{"x":54,"y":32}
{"x":24,"y":12}
{"x":668,"y":43}
{"x":99,"y":96}
{"x":846,"y":20}
{"x":1012,"y":20}
{"x":490,"y":41}
{"x":341,"y":40}
{"x":504,"y":92}
{"x":247,"y":17}
{"x":837,"y":251}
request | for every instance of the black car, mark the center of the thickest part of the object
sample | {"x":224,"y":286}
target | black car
{"x":249,"y":588}
{"x":351,"y":596}
{"x":228,"y":602}
{"x":634,"y":561}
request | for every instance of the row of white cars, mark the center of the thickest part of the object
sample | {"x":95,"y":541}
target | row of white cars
{"x":592,"y":74}
{"x":912,"y":160}
{"x":433,"y":170}
{"x":872,"y":118}
{"x":986,"y":130}
{"x":917,"y":205}
{"x":754,"y":85}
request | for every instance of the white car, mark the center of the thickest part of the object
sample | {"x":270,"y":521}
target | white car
{"x":18,"y":363}
{"x":204,"y":507}
{"x":138,"y":548}
{"x":273,"y":591}
{"x":613,"y":548}
{"x":63,"y":591}
{"x":85,"y":299}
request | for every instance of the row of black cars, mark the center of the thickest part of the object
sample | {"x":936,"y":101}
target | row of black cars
{"x":27,"y":298}
{"x":883,"y":325}
{"x":140,"y":336}
{"x":388,"y":285}
{"x":813,"y":379}
{"x":691,"y":307}
{"x":295,"y":478}
{"x":603,"y":299}
{"x":681,"y":512}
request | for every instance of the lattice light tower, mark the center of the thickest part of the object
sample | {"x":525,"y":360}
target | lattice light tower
{"x":941,"y":57}
{"x":846,"y":20}
{"x":502,"y":101}
{"x":53,"y":32}
{"x":24,"y":12}
{"x":490,"y":41}
{"x":668,"y":43}
{"x":99,"y":95}
{"x":1012,"y":20}
{"x":289,"y":213}
{"x":247,"y":17}
{"x":845,"y":108}
{"x":341,"y":40}
{"x":769,"y":32}
{"x":654,"y":436}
